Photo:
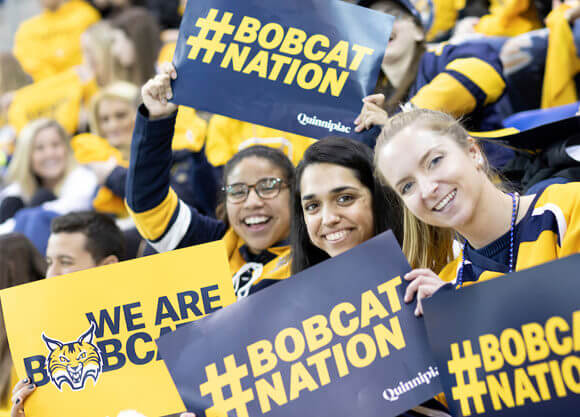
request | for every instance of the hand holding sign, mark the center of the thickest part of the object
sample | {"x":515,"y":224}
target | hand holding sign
{"x":372,"y":113}
{"x":424,"y":283}
{"x":157,"y":91}
{"x":21,"y":392}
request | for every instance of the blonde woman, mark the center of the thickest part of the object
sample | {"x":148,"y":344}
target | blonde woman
{"x":106,"y":149}
{"x":443,"y":178}
{"x":43,"y":173}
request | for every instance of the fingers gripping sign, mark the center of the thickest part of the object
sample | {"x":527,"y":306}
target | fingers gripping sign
{"x":157,"y":91}
{"x":372,"y":113}
{"x":424,"y":283}
{"x":21,"y":391}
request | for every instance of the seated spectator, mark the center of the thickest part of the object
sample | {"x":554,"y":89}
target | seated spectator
{"x":83,"y":240}
{"x":43,"y":170}
{"x":44,"y":182}
{"x":464,"y":80}
{"x":20,"y":263}
{"x":50,"y":42}
{"x":107,"y":150}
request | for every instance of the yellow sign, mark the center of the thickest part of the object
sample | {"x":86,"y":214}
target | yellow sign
{"x":88,"y":338}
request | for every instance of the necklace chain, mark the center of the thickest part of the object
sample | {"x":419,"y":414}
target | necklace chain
{"x":515,"y":209}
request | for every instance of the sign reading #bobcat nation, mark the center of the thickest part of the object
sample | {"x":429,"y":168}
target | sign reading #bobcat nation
{"x":301,"y":66}
{"x":510,"y":346}
{"x":87,"y":338}
{"x":334,"y":340}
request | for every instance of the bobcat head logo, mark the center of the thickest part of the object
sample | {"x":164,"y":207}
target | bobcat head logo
{"x":73,"y":362}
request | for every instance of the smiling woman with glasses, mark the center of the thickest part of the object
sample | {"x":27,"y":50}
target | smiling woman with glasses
{"x":254,"y":202}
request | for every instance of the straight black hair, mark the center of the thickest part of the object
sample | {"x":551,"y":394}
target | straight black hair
{"x":356,"y":156}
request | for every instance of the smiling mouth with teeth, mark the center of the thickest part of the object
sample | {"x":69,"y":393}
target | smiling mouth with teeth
{"x":335,"y":236}
{"x":256,"y":220}
{"x":446,"y":200}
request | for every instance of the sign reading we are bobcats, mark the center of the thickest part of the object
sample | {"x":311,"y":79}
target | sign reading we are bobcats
{"x":87,"y":338}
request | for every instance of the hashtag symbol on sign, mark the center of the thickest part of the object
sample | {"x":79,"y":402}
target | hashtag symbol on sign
{"x":474,"y":388}
{"x":214,"y":44}
{"x":231,"y":377}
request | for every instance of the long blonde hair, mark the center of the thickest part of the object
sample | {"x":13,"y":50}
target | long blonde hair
{"x":424,"y":245}
{"x":20,"y":168}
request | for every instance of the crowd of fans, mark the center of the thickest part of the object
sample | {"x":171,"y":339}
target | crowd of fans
{"x":98,"y":166}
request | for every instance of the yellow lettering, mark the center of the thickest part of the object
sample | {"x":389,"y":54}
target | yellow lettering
{"x":338,"y":54}
{"x":341,"y":365}
{"x":279,"y":61}
{"x":500,"y":390}
{"x":384,"y":337}
{"x":539,"y":372}
{"x":276,"y":40}
{"x":247,"y":30}
{"x":300,"y":379}
{"x":370,"y":350}
{"x":557,"y":379}
{"x":316,"y":332}
{"x":336,"y":323}
{"x":370,"y":307}
{"x":554,"y":325}
{"x":524,"y":388}
{"x":261,"y":357}
{"x":319,"y":361}
{"x":390,"y":288}
{"x":293,"y":41}
{"x":513,"y":358}
{"x":258,"y":64}
{"x":297,"y":341}
{"x":568,"y":373}
{"x":536,"y":345}
{"x":311,"y":43}
{"x":234,"y":57}
{"x":301,"y":79}
{"x":267,"y":392}
{"x":332,"y":80}
{"x":294,"y":66}
{"x":492,"y":358}
{"x":576,"y":327}
{"x":361,"y":51}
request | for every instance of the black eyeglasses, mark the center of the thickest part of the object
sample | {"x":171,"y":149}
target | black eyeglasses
{"x":266,"y":188}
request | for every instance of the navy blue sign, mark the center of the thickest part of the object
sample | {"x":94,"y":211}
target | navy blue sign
{"x":334,"y":340}
{"x":509,"y":346}
{"x":301,"y":66}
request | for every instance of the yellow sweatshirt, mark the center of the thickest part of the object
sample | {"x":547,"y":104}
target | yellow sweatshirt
{"x":50,"y":42}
